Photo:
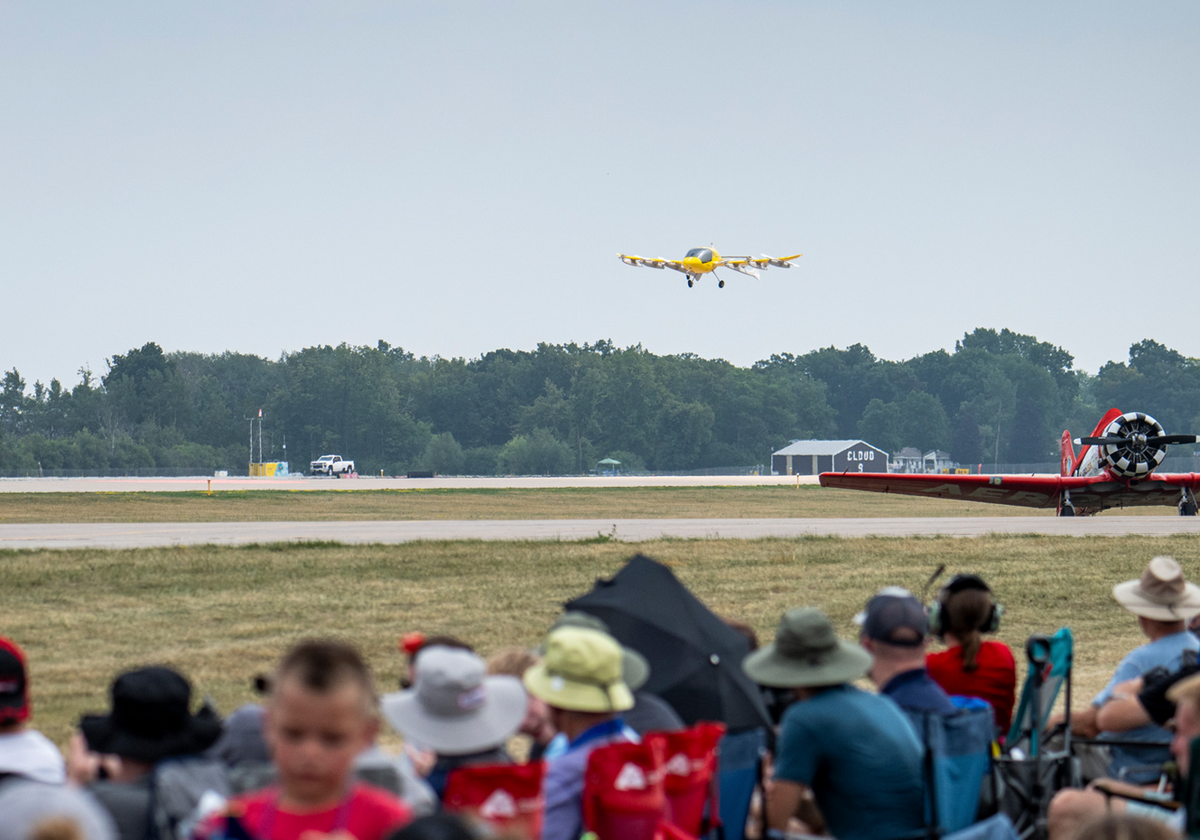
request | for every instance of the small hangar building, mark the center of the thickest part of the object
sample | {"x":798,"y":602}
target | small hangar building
{"x":810,"y":457}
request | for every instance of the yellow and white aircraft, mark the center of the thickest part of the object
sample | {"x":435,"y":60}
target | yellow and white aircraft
{"x":705,"y":261}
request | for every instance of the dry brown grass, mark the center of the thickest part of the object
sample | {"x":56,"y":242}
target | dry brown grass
{"x":222,"y":614}
{"x":806,"y":501}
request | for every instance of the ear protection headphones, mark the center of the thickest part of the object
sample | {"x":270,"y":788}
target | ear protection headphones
{"x":962,"y":583}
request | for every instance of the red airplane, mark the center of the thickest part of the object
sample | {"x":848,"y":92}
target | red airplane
{"x":1114,"y":469}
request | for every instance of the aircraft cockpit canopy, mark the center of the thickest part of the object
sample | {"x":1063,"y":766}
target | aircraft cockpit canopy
{"x":704,"y":254}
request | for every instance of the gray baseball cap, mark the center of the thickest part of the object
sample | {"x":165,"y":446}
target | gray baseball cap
{"x":455,"y":708}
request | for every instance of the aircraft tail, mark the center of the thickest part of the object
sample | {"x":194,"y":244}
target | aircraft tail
{"x":1109,"y":416}
{"x":1068,"y":455}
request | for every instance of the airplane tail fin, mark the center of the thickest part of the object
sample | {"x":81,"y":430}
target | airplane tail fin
{"x":1068,"y":455}
{"x":1109,"y":416}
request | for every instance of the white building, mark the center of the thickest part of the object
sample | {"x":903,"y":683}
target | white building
{"x":937,"y":461}
{"x":908,"y":460}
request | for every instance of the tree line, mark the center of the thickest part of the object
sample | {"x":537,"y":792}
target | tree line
{"x":558,"y":409}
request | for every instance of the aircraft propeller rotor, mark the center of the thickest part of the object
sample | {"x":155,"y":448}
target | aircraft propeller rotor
{"x":1133,"y":445}
{"x":1154,"y":440}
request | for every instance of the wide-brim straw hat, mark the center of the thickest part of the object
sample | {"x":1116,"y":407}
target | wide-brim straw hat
{"x":580,"y":672}
{"x":1161,"y":593}
{"x":806,"y":652}
{"x":1186,"y":687}
{"x":455,"y":708}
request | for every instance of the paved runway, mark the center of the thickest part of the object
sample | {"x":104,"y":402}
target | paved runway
{"x":169,"y":485}
{"x":147,"y":535}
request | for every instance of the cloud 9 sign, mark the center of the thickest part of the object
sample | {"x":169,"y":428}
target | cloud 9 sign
{"x":862,"y":457}
{"x":810,"y":457}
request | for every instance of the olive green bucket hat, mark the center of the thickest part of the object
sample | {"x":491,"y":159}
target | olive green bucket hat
{"x":806,"y":652}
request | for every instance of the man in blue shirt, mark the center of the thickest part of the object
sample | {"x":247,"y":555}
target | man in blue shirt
{"x":1163,"y":603}
{"x":580,"y":679}
{"x":894,"y":627}
{"x":855,"y":751}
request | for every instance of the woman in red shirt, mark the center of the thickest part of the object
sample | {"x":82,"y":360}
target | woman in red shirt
{"x":971,"y":667}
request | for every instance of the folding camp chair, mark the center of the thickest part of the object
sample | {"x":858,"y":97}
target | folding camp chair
{"x":1188,"y":792}
{"x":740,"y":773}
{"x":506,"y":797}
{"x":958,"y":755}
{"x":690,"y":777}
{"x":1031,"y":773}
{"x":624,"y":792}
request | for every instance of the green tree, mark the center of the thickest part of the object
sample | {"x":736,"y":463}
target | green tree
{"x":682,"y":431}
{"x":923,"y":421}
{"x":144,"y":387}
{"x":966,"y":444}
{"x":13,"y":403}
{"x":539,"y":453}
{"x":882,"y":425}
{"x":443,"y":454}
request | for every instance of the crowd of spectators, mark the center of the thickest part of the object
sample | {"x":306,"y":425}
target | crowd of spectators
{"x":845,"y":761}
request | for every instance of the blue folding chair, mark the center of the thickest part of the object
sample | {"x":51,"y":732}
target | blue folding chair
{"x":958,"y":756}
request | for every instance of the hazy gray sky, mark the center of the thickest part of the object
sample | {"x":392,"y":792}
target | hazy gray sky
{"x":455,"y":177}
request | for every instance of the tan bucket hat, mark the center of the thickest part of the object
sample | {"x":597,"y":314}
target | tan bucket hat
{"x":581,"y":672}
{"x":1160,"y":593}
{"x":806,"y":652}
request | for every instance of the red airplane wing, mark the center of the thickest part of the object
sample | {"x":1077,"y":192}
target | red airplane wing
{"x":1037,"y":491}
{"x":1088,"y":493}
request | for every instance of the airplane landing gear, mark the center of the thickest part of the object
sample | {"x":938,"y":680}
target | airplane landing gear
{"x":720,"y":284}
{"x":1187,"y":504}
{"x":1065,"y":508}
{"x":690,"y":282}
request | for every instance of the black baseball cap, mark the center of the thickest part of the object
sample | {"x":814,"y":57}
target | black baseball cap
{"x":14,"y":686}
{"x":890,"y":614}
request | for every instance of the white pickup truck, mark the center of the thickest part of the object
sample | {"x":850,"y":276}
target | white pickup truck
{"x":331,"y":465}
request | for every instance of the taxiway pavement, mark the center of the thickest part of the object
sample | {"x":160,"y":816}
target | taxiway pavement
{"x":160,"y":534}
{"x":301,"y":483}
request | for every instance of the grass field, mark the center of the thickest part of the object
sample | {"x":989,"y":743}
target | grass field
{"x":223,"y":614}
{"x":806,"y":501}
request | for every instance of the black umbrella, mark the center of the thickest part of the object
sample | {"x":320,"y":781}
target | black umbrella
{"x":695,"y":658}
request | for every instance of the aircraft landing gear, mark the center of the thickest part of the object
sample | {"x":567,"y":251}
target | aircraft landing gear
{"x":720,"y":284}
{"x":690,"y":282}
{"x":1187,"y":505}
{"x":1065,"y":508}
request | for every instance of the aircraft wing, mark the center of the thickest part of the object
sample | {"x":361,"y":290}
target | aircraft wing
{"x":753,"y":265}
{"x":1036,"y":491}
{"x":658,"y":262}
{"x":1089,"y":494}
{"x":743,"y":265}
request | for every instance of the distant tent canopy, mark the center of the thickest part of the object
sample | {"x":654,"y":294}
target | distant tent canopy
{"x":609,"y":462}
